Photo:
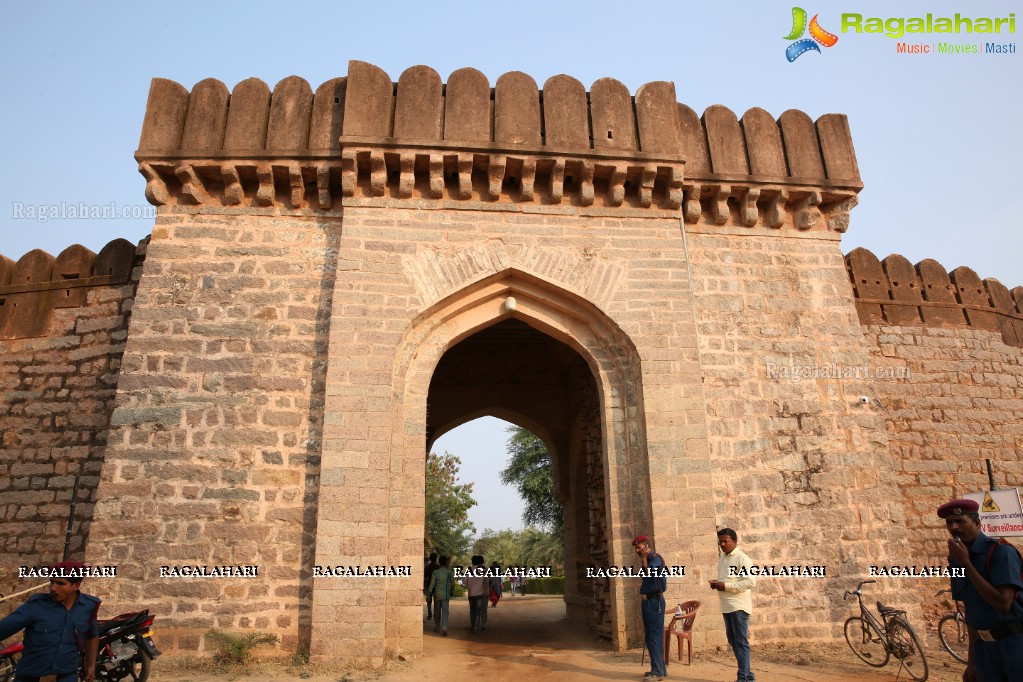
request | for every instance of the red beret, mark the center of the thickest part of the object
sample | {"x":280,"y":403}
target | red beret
{"x":958,"y":507}
{"x":640,"y":539}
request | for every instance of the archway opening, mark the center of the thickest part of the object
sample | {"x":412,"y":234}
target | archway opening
{"x":515,"y":372}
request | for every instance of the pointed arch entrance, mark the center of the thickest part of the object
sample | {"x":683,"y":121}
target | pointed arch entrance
{"x":372,"y":486}
{"x":520,"y":348}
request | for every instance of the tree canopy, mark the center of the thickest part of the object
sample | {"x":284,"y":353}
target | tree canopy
{"x":529,"y":547}
{"x":448,"y":530}
{"x":529,"y":470}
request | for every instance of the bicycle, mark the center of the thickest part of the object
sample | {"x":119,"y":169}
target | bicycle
{"x":953,"y":633}
{"x":876,"y":642}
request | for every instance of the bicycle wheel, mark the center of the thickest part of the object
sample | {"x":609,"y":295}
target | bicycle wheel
{"x":954,"y":636}
{"x":866,"y":642}
{"x":906,"y":647}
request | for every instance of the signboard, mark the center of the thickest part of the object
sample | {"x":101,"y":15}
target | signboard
{"x":1001,"y":515}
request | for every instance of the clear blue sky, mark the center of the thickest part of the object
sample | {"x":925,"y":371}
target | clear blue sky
{"x":937,"y":136}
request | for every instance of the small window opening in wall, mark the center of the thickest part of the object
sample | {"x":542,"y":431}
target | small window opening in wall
{"x":895,"y":284}
{"x":67,"y":292}
{"x":66,"y":275}
{"x":609,"y":135}
{"x":337,"y":100}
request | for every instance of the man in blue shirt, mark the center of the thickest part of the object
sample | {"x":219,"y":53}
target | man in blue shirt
{"x":651,"y":590}
{"x":990,"y":591}
{"x":58,"y":626}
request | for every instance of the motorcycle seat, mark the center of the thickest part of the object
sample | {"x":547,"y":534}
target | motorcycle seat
{"x":125,"y":620}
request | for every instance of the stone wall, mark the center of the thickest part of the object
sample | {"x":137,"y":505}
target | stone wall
{"x":411,"y":283}
{"x":946,"y":374}
{"x":214,"y":450}
{"x":63,"y":325}
{"x":798,"y":467}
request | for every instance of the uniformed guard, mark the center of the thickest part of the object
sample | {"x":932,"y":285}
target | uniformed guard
{"x":651,"y":591}
{"x":59,"y":628}
{"x":991,"y":592}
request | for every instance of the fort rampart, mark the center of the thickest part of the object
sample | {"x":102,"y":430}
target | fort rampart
{"x":318,"y":255}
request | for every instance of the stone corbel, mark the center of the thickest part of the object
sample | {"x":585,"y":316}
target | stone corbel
{"x":748,"y":213}
{"x":465,"y":176}
{"x":297,"y":184}
{"x":406,"y":174}
{"x":719,"y":203}
{"x":616,"y":185}
{"x":377,"y":174}
{"x":349,"y":172}
{"x":495,"y":173}
{"x":436,"y":176}
{"x":156,"y":188}
{"x":693,"y":207}
{"x":266,"y":193}
{"x":805,"y":213}
{"x":558,"y":181}
{"x":675,"y":178}
{"x":191,"y":186}
{"x":647,"y":175}
{"x":233,"y":190}
{"x":838,"y":214}
{"x":528,"y":179}
{"x":774,"y":214}
{"x":586,"y":183}
{"x":323,"y":186}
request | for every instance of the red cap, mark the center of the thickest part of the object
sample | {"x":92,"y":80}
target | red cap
{"x":640,"y":539}
{"x":958,"y":507}
{"x":68,"y":569}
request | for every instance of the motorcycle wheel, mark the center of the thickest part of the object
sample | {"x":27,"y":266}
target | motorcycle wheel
{"x":138,"y":669}
{"x":7,"y":664}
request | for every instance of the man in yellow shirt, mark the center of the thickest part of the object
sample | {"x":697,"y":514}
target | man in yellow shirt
{"x":736,"y":604}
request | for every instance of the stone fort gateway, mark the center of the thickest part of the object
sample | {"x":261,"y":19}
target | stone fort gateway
{"x":337,"y":277}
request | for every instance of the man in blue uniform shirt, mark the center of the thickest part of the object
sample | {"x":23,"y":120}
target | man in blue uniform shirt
{"x":990,"y":591}
{"x":58,"y":627}
{"x":651,"y":591}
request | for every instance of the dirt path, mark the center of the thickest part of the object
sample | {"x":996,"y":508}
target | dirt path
{"x":528,"y":640}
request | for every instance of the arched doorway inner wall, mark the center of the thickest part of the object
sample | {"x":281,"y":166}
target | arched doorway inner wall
{"x":515,"y":372}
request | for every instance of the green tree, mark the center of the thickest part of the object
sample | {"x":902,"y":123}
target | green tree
{"x":448,"y":530}
{"x":530,"y":547}
{"x":501,"y":546}
{"x":529,"y":470}
{"x":542,"y":548}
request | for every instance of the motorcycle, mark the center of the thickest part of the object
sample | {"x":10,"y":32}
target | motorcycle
{"x":9,"y":656}
{"x":126,"y":650}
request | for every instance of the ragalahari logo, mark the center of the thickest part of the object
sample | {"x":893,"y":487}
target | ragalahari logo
{"x":818,"y":34}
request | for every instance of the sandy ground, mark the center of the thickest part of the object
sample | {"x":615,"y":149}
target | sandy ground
{"x":528,"y":640}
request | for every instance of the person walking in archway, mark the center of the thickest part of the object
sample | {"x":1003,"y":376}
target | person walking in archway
{"x":442,"y":584}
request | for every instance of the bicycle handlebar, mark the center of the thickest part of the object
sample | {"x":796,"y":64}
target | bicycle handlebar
{"x":858,"y":589}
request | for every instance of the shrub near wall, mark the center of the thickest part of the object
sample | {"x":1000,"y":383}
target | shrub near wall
{"x":553,"y":585}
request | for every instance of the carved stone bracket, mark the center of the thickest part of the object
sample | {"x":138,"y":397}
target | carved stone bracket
{"x":749,"y":204}
{"x":381,"y":170}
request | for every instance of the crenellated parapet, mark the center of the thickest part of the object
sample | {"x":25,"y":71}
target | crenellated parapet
{"x":895,"y":292}
{"x":365,"y":137}
{"x":32,"y":288}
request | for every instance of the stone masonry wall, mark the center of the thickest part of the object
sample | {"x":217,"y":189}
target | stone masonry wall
{"x":396,"y":267}
{"x":56,"y":398}
{"x":960,"y":404}
{"x":799,"y":467}
{"x":213,"y":455}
